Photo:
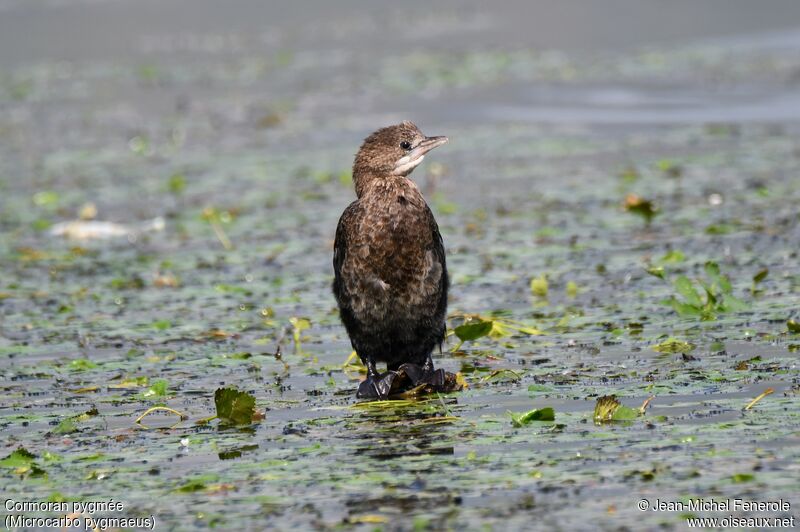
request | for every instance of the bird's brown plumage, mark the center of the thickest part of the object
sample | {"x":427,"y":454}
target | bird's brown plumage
{"x":390,"y":271}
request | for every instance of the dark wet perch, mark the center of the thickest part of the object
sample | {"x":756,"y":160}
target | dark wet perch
{"x":390,"y":270}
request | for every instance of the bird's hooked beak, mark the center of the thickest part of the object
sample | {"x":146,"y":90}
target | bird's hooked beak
{"x":409,"y":161}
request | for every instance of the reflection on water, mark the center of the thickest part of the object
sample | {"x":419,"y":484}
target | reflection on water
{"x":411,"y":428}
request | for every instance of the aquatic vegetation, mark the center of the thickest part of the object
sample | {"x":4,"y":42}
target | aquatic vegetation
{"x":641,"y":207}
{"x":537,"y":414}
{"x":539,"y":286}
{"x":765,"y":393}
{"x":298,"y":326}
{"x":477,"y":326}
{"x":112,"y":348}
{"x":758,"y":278}
{"x":160,"y":408}
{"x":673,"y":345}
{"x":234,"y":407}
{"x":608,"y":408}
{"x":23,"y":464}
{"x":717,"y":295}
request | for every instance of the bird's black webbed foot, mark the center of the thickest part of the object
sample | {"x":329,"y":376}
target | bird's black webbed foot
{"x":377,"y":386}
{"x":413,"y":378}
{"x":427,"y":379}
{"x":425,"y":374}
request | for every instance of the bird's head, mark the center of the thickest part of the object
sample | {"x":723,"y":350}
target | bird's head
{"x":392,"y":151}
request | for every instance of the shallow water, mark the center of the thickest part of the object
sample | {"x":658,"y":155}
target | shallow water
{"x":240,"y":130}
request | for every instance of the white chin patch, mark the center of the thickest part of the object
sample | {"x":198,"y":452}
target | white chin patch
{"x":405,"y":165}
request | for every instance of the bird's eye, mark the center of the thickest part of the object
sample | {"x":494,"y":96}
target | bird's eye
{"x":405,"y":145}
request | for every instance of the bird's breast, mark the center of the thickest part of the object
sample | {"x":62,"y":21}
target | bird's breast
{"x":390,"y":266}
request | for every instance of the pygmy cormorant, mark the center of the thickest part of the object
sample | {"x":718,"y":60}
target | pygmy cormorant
{"x":389,"y":262}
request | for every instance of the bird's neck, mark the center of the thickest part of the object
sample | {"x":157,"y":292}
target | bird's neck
{"x":387,"y":183}
{"x":364,"y":180}
{"x":388,"y":188}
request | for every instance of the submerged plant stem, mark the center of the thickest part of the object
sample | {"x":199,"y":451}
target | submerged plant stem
{"x":760,"y":397}
{"x":646,"y":403}
{"x":161,"y":409}
{"x":221,"y":236}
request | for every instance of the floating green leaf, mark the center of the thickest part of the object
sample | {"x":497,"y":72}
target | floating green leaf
{"x":793,"y":326}
{"x":92,"y":412}
{"x":159,"y":388}
{"x":608,"y":408}
{"x":673,"y":256}
{"x":656,"y":271}
{"x":532,"y":331}
{"x":641,"y":207}
{"x":67,"y":426}
{"x":162,"y":325}
{"x":537,"y":414}
{"x":539,"y":286}
{"x":45,"y":198}
{"x":473,"y":331}
{"x":298,"y":326}
{"x":177,"y":182}
{"x":18,"y":458}
{"x":758,"y":278}
{"x":23,"y":462}
{"x":572,"y":289}
{"x":629,"y":175}
{"x":477,"y":326}
{"x":234,"y":407}
{"x":673,"y":345}
{"x":718,"y":293}
{"x":198,"y":483}
{"x":684,"y":286}
{"x":670,"y":167}
{"x":192,"y":486}
{"x":81,"y":364}
{"x":231,"y":289}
